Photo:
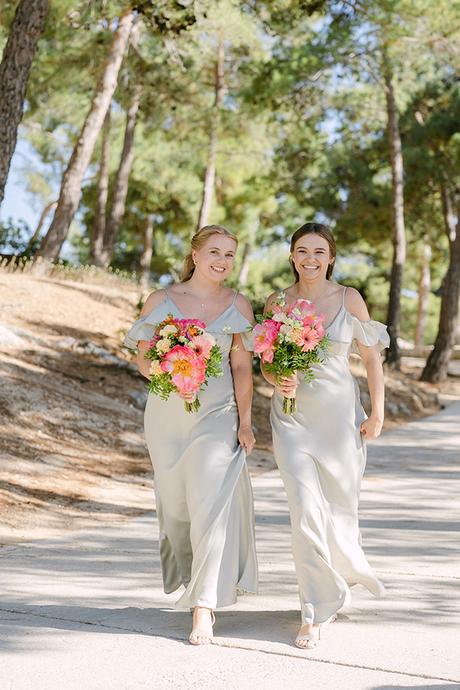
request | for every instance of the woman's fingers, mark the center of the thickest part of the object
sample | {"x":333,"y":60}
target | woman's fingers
{"x":288,"y":387}
{"x":247,"y":439}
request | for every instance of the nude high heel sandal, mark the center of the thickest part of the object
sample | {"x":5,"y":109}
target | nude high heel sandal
{"x":199,"y":636}
{"x":312,"y":638}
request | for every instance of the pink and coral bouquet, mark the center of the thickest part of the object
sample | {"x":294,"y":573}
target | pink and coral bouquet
{"x":184,"y":356}
{"x":290,"y":339}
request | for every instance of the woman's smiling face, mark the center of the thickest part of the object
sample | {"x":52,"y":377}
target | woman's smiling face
{"x":312,"y":257}
{"x":215,"y":258}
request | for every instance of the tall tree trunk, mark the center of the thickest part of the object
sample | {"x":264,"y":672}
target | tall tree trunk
{"x":448,"y":211}
{"x":210,"y":174}
{"x":98,"y":230}
{"x":122,"y":178}
{"x":71,"y":183}
{"x":147,"y":252}
{"x":399,"y":234}
{"x":424,"y":285}
{"x":437,"y":364}
{"x":27,"y":27}
{"x":30,"y":245}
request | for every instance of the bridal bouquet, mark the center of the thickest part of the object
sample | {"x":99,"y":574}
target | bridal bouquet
{"x":183,"y":358}
{"x":289,"y":339}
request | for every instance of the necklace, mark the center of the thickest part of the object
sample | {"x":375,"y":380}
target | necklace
{"x":202,"y":304}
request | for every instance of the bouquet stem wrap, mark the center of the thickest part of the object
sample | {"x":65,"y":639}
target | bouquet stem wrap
{"x":192,"y":406}
{"x":289,"y":405}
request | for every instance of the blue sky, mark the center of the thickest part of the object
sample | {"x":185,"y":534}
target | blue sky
{"x":18,"y":203}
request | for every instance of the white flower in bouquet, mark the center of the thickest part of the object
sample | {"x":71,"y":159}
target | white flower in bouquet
{"x":163,"y":345}
{"x":155,"y":368}
{"x":167,"y":330}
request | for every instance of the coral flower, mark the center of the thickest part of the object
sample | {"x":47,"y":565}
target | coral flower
{"x":309,"y":340}
{"x":187,"y":370}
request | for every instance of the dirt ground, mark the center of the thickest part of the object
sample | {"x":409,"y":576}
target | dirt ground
{"x":72,"y":452}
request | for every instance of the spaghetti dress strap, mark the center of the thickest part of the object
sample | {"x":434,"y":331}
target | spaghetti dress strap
{"x":344,"y":292}
{"x":235,"y":295}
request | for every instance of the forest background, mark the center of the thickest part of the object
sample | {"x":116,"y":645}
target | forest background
{"x":144,"y":121}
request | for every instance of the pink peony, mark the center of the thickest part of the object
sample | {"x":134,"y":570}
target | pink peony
{"x":301,"y":309}
{"x":187,"y":370}
{"x":267,"y":356}
{"x":319,"y":328}
{"x":265,"y":335}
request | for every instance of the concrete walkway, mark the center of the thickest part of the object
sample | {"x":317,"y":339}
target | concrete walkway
{"x":87,"y":611}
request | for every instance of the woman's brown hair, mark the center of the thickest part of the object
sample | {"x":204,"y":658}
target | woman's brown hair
{"x":314,"y":229}
{"x":197,"y":241}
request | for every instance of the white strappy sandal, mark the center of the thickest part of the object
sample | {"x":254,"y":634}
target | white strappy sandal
{"x":312,"y":638}
{"x":199,"y":633}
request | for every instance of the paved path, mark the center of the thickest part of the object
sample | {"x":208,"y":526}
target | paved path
{"x":87,"y":612}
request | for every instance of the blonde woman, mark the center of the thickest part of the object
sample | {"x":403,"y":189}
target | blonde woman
{"x":203,"y":493}
{"x":320,"y":450}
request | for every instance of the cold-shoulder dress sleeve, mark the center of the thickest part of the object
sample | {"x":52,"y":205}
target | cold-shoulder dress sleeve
{"x":236,"y":323}
{"x":369,"y":333}
{"x":143,"y":328}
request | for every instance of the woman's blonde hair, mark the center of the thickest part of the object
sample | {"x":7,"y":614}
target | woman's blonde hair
{"x":197,"y":241}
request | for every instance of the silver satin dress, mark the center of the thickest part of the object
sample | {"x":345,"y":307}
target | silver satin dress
{"x":203,"y":492}
{"x":321,"y":457}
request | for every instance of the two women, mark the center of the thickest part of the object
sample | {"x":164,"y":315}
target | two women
{"x":204,"y":500}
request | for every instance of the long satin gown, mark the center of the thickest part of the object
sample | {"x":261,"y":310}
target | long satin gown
{"x":203,"y":493}
{"x":321,"y":456}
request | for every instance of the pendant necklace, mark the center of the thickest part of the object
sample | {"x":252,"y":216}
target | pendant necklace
{"x":202,"y":304}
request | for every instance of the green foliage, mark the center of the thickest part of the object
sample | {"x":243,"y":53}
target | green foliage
{"x":302,"y":131}
{"x":289,"y":358}
{"x":14,"y":238}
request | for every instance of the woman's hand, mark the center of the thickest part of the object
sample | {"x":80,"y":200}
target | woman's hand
{"x":287,"y":385}
{"x":246,"y":438}
{"x":372,"y":427}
